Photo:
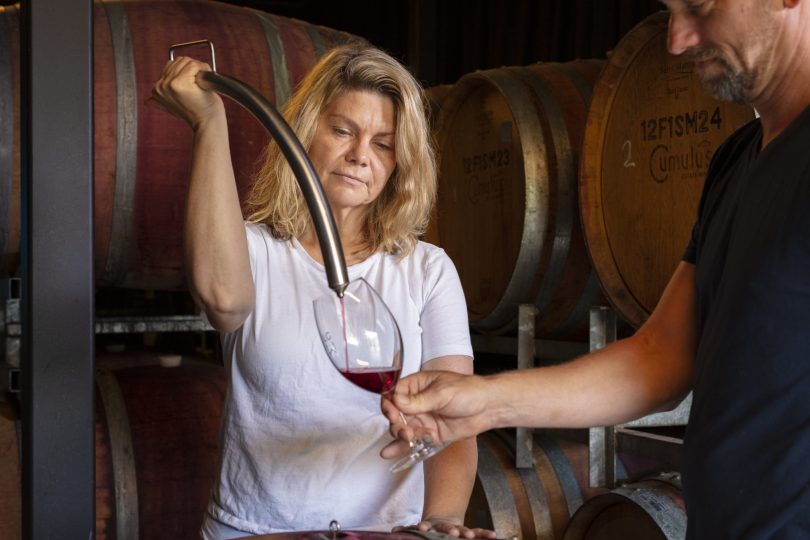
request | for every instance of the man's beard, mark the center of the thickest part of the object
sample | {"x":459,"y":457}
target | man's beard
{"x":729,"y":84}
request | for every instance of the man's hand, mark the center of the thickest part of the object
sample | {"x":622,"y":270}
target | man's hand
{"x":435,"y":406}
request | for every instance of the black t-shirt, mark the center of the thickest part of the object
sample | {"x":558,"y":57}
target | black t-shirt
{"x":746,"y":470}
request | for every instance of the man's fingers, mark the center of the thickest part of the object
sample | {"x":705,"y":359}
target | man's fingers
{"x":428,"y":391}
{"x":410,"y":396}
{"x":390,"y":410}
{"x":395,"y":449}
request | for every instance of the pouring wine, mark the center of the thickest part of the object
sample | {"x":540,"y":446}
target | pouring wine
{"x":362,"y":339}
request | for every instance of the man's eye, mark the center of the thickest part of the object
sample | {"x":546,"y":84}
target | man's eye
{"x":698,"y":8}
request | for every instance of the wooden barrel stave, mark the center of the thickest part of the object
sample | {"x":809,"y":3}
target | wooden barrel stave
{"x":652,"y":509}
{"x":566,"y":269}
{"x":435,"y":96}
{"x":156,"y":452}
{"x":10,"y":469}
{"x":637,"y":216}
{"x":528,"y":504}
{"x":168,"y":436}
{"x":509,"y":149}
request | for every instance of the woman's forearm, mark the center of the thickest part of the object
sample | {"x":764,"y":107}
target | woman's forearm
{"x":449,"y":480}
{"x":215,"y":243}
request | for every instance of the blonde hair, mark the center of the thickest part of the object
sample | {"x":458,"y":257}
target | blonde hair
{"x":400,"y":213}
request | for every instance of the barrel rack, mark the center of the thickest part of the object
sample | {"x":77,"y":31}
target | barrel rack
{"x":11,"y":333}
{"x":637,"y":437}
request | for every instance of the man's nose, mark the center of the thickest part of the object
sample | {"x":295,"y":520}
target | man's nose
{"x":682,"y":33}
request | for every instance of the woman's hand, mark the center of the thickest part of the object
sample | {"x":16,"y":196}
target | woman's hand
{"x":177,"y":92}
{"x":449,"y":526}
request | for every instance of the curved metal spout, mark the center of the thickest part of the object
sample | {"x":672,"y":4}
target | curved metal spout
{"x":290,"y":146}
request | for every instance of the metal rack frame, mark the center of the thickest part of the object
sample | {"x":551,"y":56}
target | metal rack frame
{"x":605,"y":442}
{"x":57,"y":296}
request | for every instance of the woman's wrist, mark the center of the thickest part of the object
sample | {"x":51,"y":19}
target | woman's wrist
{"x":213,"y":117}
{"x":442,"y":519}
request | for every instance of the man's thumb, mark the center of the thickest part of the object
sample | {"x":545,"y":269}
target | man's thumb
{"x":414,"y":403}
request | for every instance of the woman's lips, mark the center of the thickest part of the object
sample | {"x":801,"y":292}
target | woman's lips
{"x":351,"y":178}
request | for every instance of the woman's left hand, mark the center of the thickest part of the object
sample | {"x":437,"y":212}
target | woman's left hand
{"x":448,"y":526}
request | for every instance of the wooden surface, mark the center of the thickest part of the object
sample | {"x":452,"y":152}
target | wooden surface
{"x":435,"y":96}
{"x":508,"y":144}
{"x":532,"y":503}
{"x":173,"y":417}
{"x":650,"y":135}
{"x":170,"y":430}
{"x":10,"y":470}
{"x":649,"y":509}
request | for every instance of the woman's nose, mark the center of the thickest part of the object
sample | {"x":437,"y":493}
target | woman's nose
{"x":358,"y":153}
{"x":682,"y":33}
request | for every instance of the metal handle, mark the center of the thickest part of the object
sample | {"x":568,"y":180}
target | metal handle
{"x":198,"y":43}
{"x":264,"y":111}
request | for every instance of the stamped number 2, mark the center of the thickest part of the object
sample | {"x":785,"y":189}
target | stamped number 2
{"x":627,"y":148}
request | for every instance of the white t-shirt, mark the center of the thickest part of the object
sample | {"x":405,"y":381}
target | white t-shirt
{"x":300,"y":443}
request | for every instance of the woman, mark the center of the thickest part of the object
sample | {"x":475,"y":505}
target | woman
{"x":300,"y":444}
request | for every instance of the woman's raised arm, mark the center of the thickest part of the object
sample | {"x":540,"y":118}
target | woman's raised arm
{"x":216,"y":253}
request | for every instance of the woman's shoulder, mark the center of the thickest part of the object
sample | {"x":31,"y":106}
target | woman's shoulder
{"x":257,"y":229}
{"x":261,"y":230}
{"x":424,"y":249}
{"x":260,"y":236}
{"x":429,"y":256}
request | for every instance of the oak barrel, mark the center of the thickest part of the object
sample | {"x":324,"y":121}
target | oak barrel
{"x":508,"y":141}
{"x":435,"y":96}
{"x":650,"y":509}
{"x":10,"y":469}
{"x":528,"y":503}
{"x":650,"y":134}
{"x":157,"y":452}
{"x":142,"y":155}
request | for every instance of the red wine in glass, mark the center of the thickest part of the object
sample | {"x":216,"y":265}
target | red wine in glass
{"x":377,"y":381}
{"x":363,"y":342}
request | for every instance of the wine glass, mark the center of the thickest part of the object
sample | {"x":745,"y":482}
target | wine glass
{"x":363,"y":341}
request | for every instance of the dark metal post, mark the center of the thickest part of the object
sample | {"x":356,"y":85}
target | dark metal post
{"x":58,"y":355}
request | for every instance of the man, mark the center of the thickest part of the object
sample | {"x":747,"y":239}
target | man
{"x":733,"y":324}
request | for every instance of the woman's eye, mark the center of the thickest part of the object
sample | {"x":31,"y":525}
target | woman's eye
{"x":384,"y":146}
{"x":341,"y":131}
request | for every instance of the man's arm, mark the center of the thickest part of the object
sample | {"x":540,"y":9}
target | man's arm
{"x":648,"y":372}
